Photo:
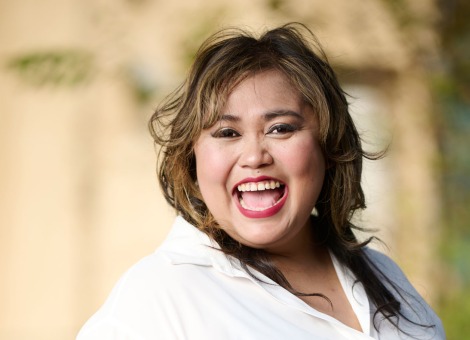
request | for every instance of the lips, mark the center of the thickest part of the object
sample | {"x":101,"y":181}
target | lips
{"x":260,"y":197}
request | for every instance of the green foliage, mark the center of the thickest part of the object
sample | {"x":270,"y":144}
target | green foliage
{"x":452,"y":89}
{"x":455,"y":32}
{"x":199,"y":33}
{"x":454,"y":312}
{"x":60,"y":67}
{"x":275,"y":5}
{"x":400,"y":10}
{"x":141,"y":81}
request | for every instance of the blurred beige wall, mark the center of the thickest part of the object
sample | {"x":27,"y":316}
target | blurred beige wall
{"x":79,"y":201}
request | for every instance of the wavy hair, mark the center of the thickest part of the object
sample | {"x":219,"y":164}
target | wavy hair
{"x":223,"y":61}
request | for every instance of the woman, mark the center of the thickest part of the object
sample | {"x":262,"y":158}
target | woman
{"x":257,"y":138}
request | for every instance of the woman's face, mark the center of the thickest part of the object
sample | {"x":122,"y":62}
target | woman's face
{"x":260,"y":168}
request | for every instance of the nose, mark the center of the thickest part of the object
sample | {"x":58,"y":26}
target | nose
{"x":254,"y":154}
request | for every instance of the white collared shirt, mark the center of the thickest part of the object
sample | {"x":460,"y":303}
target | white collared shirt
{"x":188,"y":289}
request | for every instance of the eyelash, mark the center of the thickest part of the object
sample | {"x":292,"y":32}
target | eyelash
{"x":278,"y":129}
{"x":282,"y":129}
{"x":225,"y":133}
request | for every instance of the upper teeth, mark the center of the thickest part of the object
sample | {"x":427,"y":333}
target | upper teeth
{"x":265,"y":185}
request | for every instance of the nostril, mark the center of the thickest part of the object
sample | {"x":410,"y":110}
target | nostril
{"x":255,"y":156}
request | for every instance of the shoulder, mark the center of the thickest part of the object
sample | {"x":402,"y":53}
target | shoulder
{"x":386,"y":265}
{"x":156,"y":277}
{"x":413,"y":306}
{"x":141,"y":303}
{"x":391,"y":275}
{"x":116,"y":318}
{"x":147,"y":300}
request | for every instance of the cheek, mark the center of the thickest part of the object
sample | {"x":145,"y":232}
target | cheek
{"x":212,"y":167}
{"x":304,"y":158}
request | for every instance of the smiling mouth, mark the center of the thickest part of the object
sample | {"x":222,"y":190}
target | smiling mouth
{"x":260,"y":196}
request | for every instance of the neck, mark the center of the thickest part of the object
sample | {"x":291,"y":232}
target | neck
{"x":303,"y":253}
{"x":314,"y":259}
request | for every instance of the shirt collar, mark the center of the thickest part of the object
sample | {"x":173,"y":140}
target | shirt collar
{"x":186,"y":244}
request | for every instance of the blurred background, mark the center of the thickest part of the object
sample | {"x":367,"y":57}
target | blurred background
{"x":79,"y":199}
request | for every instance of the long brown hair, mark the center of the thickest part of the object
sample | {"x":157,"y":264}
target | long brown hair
{"x":222,"y":62}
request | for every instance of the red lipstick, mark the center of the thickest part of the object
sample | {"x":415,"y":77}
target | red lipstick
{"x":268,"y":212}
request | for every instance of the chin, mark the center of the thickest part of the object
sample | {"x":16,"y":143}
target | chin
{"x":258,"y":240}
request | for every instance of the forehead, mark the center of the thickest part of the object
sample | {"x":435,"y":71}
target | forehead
{"x":239,"y":93}
{"x":269,"y":88}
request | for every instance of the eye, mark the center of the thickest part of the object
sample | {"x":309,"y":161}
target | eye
{"x":225,"y":133}
{"x":280,"y":129}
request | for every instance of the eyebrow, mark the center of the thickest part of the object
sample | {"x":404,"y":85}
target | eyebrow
{"x":282,"y":113}
{"x":229,"y":118}
{"x":268,"y":116}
